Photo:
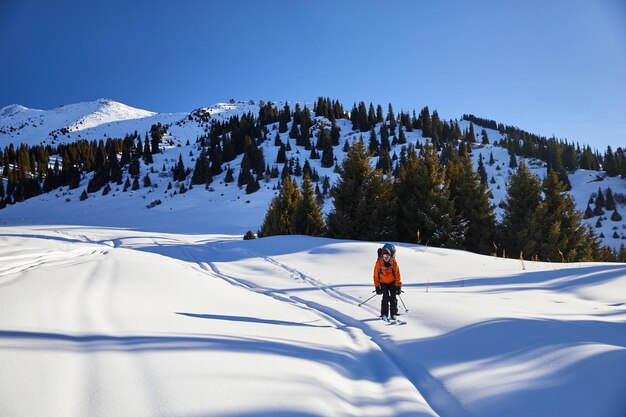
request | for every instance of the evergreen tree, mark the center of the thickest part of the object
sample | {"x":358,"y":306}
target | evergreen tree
{"x":297,"y":169}
{"x":485,"y":137}
{"x":280,"y":215}
{"x":559,"y":230}
{"x":293,"y":133}
{"x":229,"y":175}
{"x":179,"y":171}
{"x":156,"y":135}
{"x":284,"y":118}
{"x":113,"y":166}
{"x":391,"y":118}
{"x":379,"y":114}
{"x":308,"y":218}
{"x":362,"y":198}
{"x":384,"y":162}
{"x":335,"y":134}
{"x":202,"y":171}
{"x":470,"y":137}
{"x":424,"y":122}
{"x":244,"y":173}
{"x":523,"y":198}
{"x":216,"y":160}
{"x":252,"y":185}
{"x":609,"y":165}
{"x":371,"y":117}
{"x":471,"y":201}
{"x":616,"y":217}
{"x":609,"y":199}
{"x":363,"y":123}
{"x":281,"y":156}
{"x":146,"y":181}
{"x":599,"y":204}
{"x":424,"y":212}
{"x":401,"y":136}
{"x":373,"y":143}
{"x":482,"y":172}
{"x":74,"y":178}
{"x":147,"y":153}
{"x":354,"y":117}
{"x":328,"y":157}
{"x":134,"y":168}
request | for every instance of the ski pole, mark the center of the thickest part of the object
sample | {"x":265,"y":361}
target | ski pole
{"x":405,"y":309}
{"x":368,"y":299}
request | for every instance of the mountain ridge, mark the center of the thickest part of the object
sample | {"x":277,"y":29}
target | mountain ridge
{"x":181,"y":141}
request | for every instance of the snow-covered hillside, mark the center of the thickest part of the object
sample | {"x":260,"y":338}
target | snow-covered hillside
{"x":100,"y":321}
{"x":105,"y":118}
{"x":111,"y":308}
{"x":92,"y":120}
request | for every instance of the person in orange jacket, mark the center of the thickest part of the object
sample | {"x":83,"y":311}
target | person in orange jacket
{"x":388,"y":282}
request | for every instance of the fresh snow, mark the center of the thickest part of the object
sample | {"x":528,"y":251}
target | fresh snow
{"x":108,"y":308}
{"x":105,"y":321}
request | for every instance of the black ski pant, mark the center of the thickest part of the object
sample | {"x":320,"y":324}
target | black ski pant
{"x":389,"y":299}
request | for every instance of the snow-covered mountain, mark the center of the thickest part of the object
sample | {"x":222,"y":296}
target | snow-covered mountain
{"x":64,"y":123}
{"x":91,"y":120}
{"x":106,"y":118}
{"x":111,"y":308}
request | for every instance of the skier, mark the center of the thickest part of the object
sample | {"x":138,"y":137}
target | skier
{"x":388,"y":282}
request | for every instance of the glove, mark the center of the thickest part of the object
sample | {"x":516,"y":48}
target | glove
{"x":398,"y":290}
{"x":379,"y":290}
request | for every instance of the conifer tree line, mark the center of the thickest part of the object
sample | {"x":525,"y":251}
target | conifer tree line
{"x":428,"y":193}
{"x":559,"y":155}
{"x":446,"y":206}
{"x":432,"y":195}
{"x":28,"y":171}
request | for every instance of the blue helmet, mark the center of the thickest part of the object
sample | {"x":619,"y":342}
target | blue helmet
{"x":391,"y":248}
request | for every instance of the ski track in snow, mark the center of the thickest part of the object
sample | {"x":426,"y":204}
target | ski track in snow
{"x":110,"y":350}
{"x":22,"y":263}
{"x":139,"y":387}
{"x":433,"y":392}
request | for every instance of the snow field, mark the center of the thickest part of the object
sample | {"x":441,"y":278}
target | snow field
{"x":103,"y":321}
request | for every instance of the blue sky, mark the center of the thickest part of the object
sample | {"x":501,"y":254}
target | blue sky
{"x":553,"y":67}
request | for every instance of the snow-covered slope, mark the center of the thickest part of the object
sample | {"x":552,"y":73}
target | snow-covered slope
{"x":111,"y":308}
{"x":113,"y":322}
{"x":105,"y":118}
{"x":93,"y":120}
{"x":22,"y":125}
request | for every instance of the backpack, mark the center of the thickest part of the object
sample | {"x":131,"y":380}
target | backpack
{"x":391,"y":249}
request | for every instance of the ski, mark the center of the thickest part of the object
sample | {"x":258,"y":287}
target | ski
{"x":389,"y":321}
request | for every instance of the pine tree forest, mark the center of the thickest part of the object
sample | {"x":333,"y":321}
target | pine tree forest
{"x":428,"y":194}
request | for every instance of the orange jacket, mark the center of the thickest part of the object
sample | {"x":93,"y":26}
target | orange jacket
{"x":387,"y":274}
